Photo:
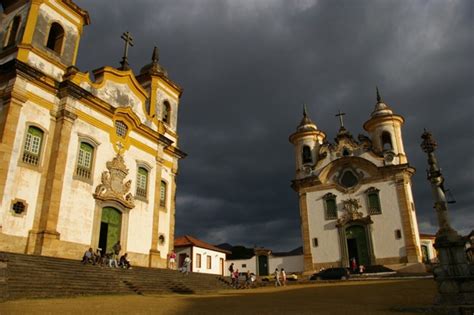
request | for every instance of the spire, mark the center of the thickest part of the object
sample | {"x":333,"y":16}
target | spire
{"x":154,"y":67}
{"x":379,"y":98}
{"x":306,"y":123}
{"x":155,"y":57}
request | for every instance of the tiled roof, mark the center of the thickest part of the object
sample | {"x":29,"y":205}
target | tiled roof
{"x":423,"y":235}
{"x":187,"y":240}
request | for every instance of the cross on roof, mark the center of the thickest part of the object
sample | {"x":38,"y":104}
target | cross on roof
{"x":341,"y":121}
{"x":128,"y":41}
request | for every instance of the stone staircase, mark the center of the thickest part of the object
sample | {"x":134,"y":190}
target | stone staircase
{"x":28,"y":276}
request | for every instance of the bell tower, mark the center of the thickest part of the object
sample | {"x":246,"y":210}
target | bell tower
{"x":307,"y":140}
{"x":385,"y":131}
{"x":44,"y":34}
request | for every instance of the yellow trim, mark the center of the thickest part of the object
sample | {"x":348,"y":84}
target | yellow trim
{"x":143,"y":147}
{"x":93,"y":121}
{"x":39,"y":100}
{"x":78,"y":24}
{"x":28,"y":48}
{"x":31,"y":23}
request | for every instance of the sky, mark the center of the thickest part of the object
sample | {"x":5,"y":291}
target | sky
{"x":247,"y":67}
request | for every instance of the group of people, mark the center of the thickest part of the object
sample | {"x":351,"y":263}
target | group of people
{"x":185,"y":267}
{"x":249,"y":278}
{"x":356,"y":268}
{"x":280,"y":274}
{"x":107,"y":259}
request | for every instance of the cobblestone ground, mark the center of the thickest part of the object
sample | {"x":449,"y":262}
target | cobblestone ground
{"x":350,"y":297}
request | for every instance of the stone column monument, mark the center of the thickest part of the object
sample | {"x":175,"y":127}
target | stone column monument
{"x":454,"y":275}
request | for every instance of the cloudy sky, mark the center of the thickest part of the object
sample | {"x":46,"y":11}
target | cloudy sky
{"x":247,"y":66}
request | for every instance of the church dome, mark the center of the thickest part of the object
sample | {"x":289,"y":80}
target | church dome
{"x":306,"y":123}
{"x":154,"y":67}
{"x":381,"y":109}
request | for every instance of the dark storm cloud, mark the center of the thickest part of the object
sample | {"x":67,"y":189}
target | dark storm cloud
{"x":248,"y":66}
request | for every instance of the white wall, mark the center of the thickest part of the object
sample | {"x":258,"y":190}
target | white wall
{"x":289,"y":263}
{"x":243,"y":265}
{"x":215,"y":257}
{"x":383,"y":228}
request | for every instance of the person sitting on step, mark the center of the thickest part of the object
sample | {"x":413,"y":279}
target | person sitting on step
{"x":124,"y":263}
{"x":88,"y":257}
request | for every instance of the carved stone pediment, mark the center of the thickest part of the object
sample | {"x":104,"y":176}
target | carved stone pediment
{"x":351,"y":214}
{"x":112,"y":186}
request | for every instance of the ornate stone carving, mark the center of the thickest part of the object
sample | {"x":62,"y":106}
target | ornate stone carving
{"x":350,"y":207}
{"x":112,"y":186}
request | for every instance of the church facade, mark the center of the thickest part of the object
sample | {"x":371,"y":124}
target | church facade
{"x":355,"y":196}
{"x":87,"y":160}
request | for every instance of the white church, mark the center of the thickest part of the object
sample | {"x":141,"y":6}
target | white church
{"x":355,"y":196}
{"x":87,"y":159}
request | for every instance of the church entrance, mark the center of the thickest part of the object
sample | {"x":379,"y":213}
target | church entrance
{"x":110,"y":228}
{"x":357,"y":246}
{"x":262,"y":265}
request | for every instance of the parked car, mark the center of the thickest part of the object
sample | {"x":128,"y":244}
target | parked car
{"x":331,"y":273}
{"x":289,"y":277}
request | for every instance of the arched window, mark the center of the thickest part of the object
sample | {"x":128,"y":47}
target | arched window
{"x":373,"y":201}
{"x":84,"y":160}
{"x":163,"y":193}
{"x":55,"y":38}
{"x":142,"y":182}
{"x":307,"y":155}
{"x":32,"y":148}
{"x":330,"y":206}
{"x":386,"y":141}
{"x":166,"y":112}
{"x":12,"y":31}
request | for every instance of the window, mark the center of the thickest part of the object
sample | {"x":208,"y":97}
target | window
{"x":307,"y":155}
{"x":386,"y":141}
{"x":163,"y":194}
{"x":373,"y":201}
{"x":142,"y":182}
{"x":209,"y":265}
{"x":84,"y":160}
{"x":315,"y":242}
{"x":166,"y":112}
{"x":198,"y":260}
{"x":348,"y":179}
{"x":330,"y":206}
{"x":398,"y":234}
{"x":32,"y":148}
{"x":121,"y":128}
{"x":161,"y":239}
{"x":19,"y":207}
{"x":12,"y":31}
{"x":244,"y":265}
{"x":55,"y":38}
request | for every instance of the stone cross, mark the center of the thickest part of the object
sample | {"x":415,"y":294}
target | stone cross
{"x":128,"y":41}
{"x":341,"y":121}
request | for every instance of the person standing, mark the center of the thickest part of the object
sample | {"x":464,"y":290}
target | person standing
{"x":277,"y":278}
{"x":231,"y":269}
{"x":283,"y":276}
{"x":117,"y":248}
{"x":172,"y":261}
{"x":186,"y":265}
{"x":353,"y":265}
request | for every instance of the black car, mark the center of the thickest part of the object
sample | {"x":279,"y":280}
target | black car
{"x":331,"y":273}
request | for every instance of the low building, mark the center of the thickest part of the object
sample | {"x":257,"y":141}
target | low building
{"x":205,"y":258}
{"x":263,"y":261}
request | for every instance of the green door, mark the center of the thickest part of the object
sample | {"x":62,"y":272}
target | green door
{"x":110,"y":226}
{"x":357,"y":245}
{"x":262,"y":265}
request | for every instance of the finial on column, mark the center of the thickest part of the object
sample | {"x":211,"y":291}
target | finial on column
{"x":304,"y":110}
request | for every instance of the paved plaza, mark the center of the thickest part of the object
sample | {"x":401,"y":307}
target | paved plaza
{"x":350,"y":297}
